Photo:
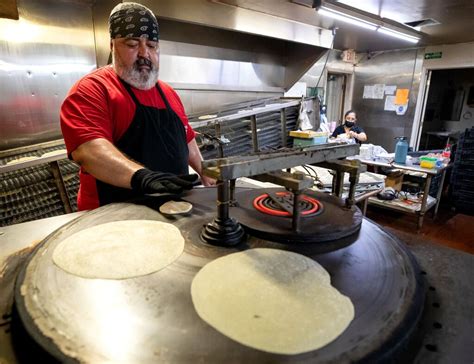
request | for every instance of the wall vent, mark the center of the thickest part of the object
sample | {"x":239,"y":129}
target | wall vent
{"x":422,"y":23}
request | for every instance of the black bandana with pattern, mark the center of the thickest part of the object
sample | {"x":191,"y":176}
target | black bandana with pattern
{"x":133,"y":20}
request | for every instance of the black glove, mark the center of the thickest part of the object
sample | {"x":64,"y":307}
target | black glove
{"x":145,"y":181}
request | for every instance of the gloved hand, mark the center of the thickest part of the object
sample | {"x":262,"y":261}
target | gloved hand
{"x":145,"y":181}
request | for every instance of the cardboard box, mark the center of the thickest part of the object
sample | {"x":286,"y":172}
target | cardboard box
{"x":307,"y":134}
{"x":394,"y":180}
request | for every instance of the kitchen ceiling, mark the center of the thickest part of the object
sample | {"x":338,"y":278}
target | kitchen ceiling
{"x":455,"y":18}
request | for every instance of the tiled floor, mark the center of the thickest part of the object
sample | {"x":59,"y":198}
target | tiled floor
{"x":451,"y":229}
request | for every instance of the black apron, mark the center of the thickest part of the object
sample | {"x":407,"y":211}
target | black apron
{"x":155,"y":138}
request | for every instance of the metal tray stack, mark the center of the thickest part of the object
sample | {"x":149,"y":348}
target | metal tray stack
{"x":462,"y":178}
{"x":237,"y":132}
{"x":31,"y":193}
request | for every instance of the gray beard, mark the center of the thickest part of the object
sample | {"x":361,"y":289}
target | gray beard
{"x":141,"y":80}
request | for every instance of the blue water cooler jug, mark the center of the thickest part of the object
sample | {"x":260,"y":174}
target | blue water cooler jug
{"x":401,"y":150}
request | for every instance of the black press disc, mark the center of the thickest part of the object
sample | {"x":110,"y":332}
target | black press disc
{"x":324,"y":218}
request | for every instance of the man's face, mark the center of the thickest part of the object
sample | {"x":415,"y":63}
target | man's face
{"x":136,"y":61}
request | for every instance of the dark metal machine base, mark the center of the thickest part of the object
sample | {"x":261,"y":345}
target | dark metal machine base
{"x":221,"y":232}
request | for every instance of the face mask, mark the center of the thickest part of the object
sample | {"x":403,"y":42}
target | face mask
{"x":349,"y":124}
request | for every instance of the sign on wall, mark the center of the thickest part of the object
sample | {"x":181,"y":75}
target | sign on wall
{"x":433,"y":55}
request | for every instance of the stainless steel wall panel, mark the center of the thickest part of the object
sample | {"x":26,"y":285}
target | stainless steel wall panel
{"x":401,"y":68}
{"x":220,"y":74}
{"x":219,"y":67}
{"x":313,"y":75}
{"x":224,"y":59}
{"x":100,"y":16}
{"x":300,"y":58}
{"x":228,"y":16}
{"x":208,"y":101}
{"x":41,"y":56}
{"x":196,"y":50}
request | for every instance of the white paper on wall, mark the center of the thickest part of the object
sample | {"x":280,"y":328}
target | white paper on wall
{"x":390,"y":89}
{"x":379,"y":91}
{"x":374,"y":91}
{"x":390,"y":103}
{"x":368,"y":92}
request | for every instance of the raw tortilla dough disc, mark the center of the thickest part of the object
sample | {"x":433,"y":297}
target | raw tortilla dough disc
{"x":175,"y":207}
{"x":272,"y":300}
{"x":21,"y":160}
{"x":205,"y":117}
{"x":120,"y":249}
{"x":53,"y":152}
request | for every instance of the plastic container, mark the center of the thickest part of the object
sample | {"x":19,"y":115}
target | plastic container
{"x":307,"y":142}
{"x":447,"y":151}
{"x":447,"y":154}
{"x":428,"y":162}
{"x":401,"y":150}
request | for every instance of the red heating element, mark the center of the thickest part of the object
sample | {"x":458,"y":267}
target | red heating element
{"x":281,"y":204}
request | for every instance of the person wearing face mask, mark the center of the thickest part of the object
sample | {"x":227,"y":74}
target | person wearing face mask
{"x":350,"y":128}
{"x":126,"y":129}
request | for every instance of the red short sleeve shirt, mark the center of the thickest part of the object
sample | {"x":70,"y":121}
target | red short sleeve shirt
{"x":99,"y":106}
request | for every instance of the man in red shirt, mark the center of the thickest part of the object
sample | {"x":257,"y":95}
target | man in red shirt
{"x":127,"y":130}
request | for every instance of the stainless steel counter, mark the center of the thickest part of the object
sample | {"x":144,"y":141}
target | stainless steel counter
{"x":15,"y":238}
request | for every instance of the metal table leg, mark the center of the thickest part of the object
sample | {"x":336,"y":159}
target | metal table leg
{"x":58,"y":180}
{"x":364,"y":206}
{"x":353,"y":179}
{"x":440,"y":192}
{"x":338,"y":183}
{"x":424,"y":201}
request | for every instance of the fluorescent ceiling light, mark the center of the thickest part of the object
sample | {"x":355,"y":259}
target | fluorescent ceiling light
{"x":339,"y":15}
{"x":399,"y":35}
{"x":346,"y":18}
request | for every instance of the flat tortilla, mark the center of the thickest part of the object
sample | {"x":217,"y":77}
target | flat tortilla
{"x":53,"y":153}
{"x":206,"y":117}
{"x":120,"y":249}
{"x":175,"y":207}
{"x":21,"y":160}
{"x":271,"y":300}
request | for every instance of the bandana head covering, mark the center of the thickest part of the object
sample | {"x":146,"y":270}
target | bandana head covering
{"x":132,"y":20}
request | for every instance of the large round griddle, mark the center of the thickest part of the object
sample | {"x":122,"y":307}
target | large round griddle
{"x":151,"y":319}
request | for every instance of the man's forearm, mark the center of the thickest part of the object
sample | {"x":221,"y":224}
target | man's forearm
{"x":105,"y":162}
{"x":195,"y":159}
{"x":195,"y":156}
